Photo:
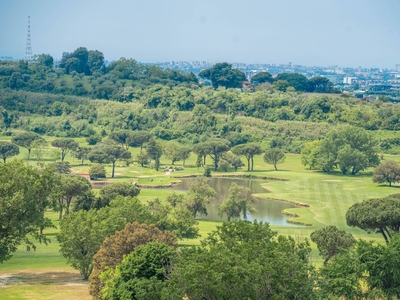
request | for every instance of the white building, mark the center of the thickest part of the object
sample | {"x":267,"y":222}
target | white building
{"x":349,"y":80}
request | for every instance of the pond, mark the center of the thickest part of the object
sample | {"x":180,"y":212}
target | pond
{"x":266,"y":210}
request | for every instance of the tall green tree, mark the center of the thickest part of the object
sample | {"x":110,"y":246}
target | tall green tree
{"x":242,"y":260}
{"x":7,"y":150}
{"x":387,"y":171}
{"x":122,"y":137}
{"x":81,"y":153}
{"x":45,"y":60}
{"x":154,"y":150}
{"x":261,"y":78}
{"x":353,"y":149}
{"x":81,"y":235}
{"x":123,"y":242}
{"x":71,"y":186}
{"x":172,"y":151}
{"x":8,"y":118}
{"x":141,"y":274}
{"x":139,"y":137}
{"x":248,"y":150}
{"x":296,"y":80}
{"x":381,"y":215}
{"x":95,"y":61}
{"x":27,"y":140}
{"x":215,"y":148}
{"x":112,"y":191}
{"x":237,"y":203}
{"x":201,"y":151}
{"x":65,"y":145}
{"x":320,"y":84}
{"x":24,"y":194}
{"x":274,"y":156}
{"x":108,"y":153}
{"x":222,"y":74}
{"x":198,"y":196}
{"x":330,"y":241}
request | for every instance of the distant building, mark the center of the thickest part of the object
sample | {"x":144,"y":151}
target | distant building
{"x":397,"y":68}
{"x":349,"y":80}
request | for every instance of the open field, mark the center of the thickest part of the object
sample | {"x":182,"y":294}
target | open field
{"x":44,"y":274}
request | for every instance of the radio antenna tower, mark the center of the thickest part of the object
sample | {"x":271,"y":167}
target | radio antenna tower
{"x":28,"y":51}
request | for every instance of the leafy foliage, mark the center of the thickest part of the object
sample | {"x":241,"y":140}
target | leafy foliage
{"x":387,"y":171}
{"x":237,"y":203}
{"x":330,"y":241}
{"x":243,"y":261}
{"x":24,"y":194}
{"x":274,"y":156}
{"x":8,"y":149}
{"x":381,"y":214}
{"x":114,"y":248}
{"x":141,"y":273}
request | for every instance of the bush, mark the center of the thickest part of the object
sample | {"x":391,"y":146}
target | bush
{"x":93,"y":139}
{"x":97,"y":171}
{"x":224,"y":165}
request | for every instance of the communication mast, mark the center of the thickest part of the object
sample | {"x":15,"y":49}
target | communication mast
{"x":28,"y":51}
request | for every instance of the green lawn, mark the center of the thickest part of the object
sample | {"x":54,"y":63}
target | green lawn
{"x":44,"y":274}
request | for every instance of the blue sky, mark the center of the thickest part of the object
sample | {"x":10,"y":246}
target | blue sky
{"x":307,"y":32}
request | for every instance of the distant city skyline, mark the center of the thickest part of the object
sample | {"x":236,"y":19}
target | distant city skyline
{"x":362,"y":33}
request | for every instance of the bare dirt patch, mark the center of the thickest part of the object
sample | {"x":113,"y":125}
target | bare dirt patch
{"x":34,"y":278}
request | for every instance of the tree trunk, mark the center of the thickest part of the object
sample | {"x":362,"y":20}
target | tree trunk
{"x":4,"y":159}
{"x":82,"y":162}
{"x":29,"y":154}
{"x":384,"y":235}
{"x":113,"y":167}
{"x":276,"y":169}
{"x":248,"y":164}
{"x":68,"y":205}
{"x":252,"y":163}
{"x":60,"y":212}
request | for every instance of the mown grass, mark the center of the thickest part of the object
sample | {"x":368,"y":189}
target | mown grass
{"x":44,"y":274}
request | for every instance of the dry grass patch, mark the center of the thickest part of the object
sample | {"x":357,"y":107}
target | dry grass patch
{"x":46,"y":284}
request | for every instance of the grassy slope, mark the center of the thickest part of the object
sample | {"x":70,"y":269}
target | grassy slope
{"x":44,"y":274}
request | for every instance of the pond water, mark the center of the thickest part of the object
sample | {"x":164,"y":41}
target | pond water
{"x":266,"y":210}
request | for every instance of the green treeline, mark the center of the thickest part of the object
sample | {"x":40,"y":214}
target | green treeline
{"x":192,"y":115}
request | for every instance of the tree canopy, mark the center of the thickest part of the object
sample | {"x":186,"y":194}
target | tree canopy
{"x":387,"y":171}
{"x":24,"y":194}
{"x":123,"y":242}
{"x":222,"y":74}
{"x":241,"y":260}
{"x":330,"y":241}
{"x":8,"y":149}
{"x":66,"y":145}
{"x":237,"y":203}
{"x":350,"y":148}
{"x":381,"y":214}
{"x":27,"y":140}
{"x":274,"y":156}
{"x":248,"y":150}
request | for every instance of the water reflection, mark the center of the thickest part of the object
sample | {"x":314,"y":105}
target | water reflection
{"x":266,"y":210}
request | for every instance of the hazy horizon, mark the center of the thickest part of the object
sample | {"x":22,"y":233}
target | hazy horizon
{"x":311,"y":33}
